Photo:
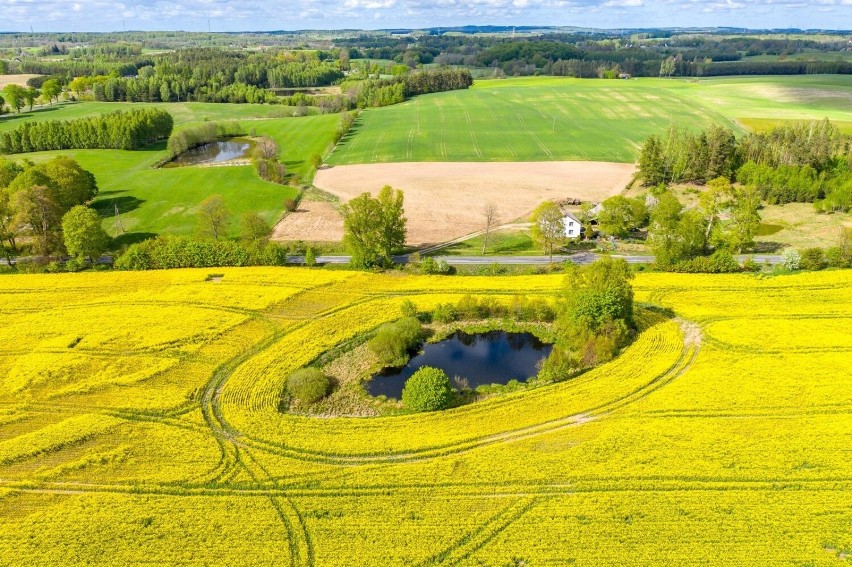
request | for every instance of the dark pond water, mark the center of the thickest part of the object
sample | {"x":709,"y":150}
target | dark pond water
{"x":495,"y":357}
{"x":214,"y":152}
{"x":768,"y":229}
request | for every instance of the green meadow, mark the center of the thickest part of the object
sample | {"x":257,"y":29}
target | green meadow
{"x":163,"y":201}
{"x":535,"y":119}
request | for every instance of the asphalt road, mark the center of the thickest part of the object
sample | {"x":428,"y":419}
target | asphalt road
{"x":581,"y":258}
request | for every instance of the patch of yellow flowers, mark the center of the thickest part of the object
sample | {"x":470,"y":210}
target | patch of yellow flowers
{"x":139,"y":421}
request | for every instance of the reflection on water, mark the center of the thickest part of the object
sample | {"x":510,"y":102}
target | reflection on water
{"x":214,"y":152}
{"x":495,"y":357}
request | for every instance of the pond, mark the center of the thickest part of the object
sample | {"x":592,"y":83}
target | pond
{"x":766,"y":229}
{"x":214,"y":152}
{"x":495,"y":357}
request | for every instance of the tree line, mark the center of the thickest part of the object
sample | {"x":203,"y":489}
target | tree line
{"x":195,"y":74}
{"x":384,"y":92}
{"x":808,"y":162}
{"x":122,"y":130}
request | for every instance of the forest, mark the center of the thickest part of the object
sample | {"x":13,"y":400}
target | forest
{"x":807,"y":162}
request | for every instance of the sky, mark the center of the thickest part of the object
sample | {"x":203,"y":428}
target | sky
{"x":265,"y":15}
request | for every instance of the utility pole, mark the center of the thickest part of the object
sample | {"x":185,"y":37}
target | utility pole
{"x":119,"y":228}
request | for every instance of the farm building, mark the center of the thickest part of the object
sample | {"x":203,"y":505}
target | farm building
{"x":573,"y":226}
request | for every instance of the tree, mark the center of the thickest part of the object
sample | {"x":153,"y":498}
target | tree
{"x":265,"y":148}
{"x":38,"y":214}
{"x":74,"y":185}
{"x":344,"y":59}
{"x":213,"y":217}
{"x":8,"y":243}
{"x":598,"y":292}
{"x":308,"y":385}
{"x":83,"y":234}
{"x":374,"y":228}
{"x":713,"y":200}
{"x":15,"y":96}
{"x":253,"y":228}
{"x":30,"y":96}
{"x":489,"y":215}
{"x":428,"y":389}
{"x":548,"y":226}
{"x":663,"y":229}
{"x":619,"y":215}
{"x":667,"y":67}
{"x":651,"y":162}
{"x":745,"y":219}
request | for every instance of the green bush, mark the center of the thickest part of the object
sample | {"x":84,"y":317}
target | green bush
{"x":393,"y":341}
{"x":165,"y":252}
{"x":812,"y":259}
{"x":408,"y":308}
{"x":308,"y":385}
{"x":428,"y":389}
{"x":444,"y":313}
{"x":836,"y":258}
{"x":720,"y":262}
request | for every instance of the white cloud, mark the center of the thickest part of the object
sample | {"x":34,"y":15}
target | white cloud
{"x":235,"y":15}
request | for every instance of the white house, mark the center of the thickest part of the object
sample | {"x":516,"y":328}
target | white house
{"x":573,"y":226}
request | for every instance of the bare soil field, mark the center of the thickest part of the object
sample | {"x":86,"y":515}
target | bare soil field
{"x":15,"y":80}
{"x":444,"y":200}
{"x":313,"y":221}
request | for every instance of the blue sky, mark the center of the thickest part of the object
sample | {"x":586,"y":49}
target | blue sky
{"x":239,"y":15}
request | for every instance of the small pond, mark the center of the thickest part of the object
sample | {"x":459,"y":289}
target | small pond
{"x":214,"y":152}
{"x":766,"y":229}
{"x":495,"y":357}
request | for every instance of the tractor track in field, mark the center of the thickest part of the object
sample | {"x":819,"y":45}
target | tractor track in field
{"x":691,"y":347}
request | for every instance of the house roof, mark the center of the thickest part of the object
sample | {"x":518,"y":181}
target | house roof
{"x":572,"y":217}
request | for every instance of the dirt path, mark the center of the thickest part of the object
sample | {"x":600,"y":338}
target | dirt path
{"x":444,"y":200}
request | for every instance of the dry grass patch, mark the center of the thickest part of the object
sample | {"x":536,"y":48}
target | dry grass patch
{"x":801,"y":226}
{"x":15,"y":80}
{"x":444,"y":200}
{"x":313,"y":221}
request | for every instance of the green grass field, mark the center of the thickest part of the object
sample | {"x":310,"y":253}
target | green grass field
{"x":159,"y":201}
{"x":184,"y":113}
{"x":550,"y":118}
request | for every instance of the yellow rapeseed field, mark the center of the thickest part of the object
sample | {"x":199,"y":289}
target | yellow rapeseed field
{"x":140,"y":423}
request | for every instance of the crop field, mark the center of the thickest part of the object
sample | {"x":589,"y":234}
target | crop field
{"x":139,"y":422}
{"x":158,"y":201}
{"x":536,"y":119}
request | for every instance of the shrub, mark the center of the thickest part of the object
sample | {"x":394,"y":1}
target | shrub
{"x":394,"y":340}
{"x":308,"y":385}
{"x":408,"y":308}
{"x":165,"y":252}
{"x":812,"y":259}
{"x":835,"y":258}
{"x":444,"y":313}
{"x":720,"y":262}
{"x":791,"y":259}
{"x":750,"y":265}
{"x":310,"y":258}
{"x":428,"y":389}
